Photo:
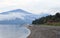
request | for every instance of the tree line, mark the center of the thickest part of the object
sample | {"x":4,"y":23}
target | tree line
{"x":48,"y":19}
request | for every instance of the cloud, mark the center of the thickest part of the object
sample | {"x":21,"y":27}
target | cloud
{"x":11,"y":16}
{"x":33,"y":6}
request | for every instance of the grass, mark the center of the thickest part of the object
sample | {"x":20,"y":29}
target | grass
{"x":50,"y":24}
{"x":53,"y":24}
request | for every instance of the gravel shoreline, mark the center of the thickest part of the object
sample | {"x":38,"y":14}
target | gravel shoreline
{"x":44,"y":31}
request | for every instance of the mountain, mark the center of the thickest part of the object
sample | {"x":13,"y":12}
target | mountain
{"x":16,"y":11}
{"x":18,"y":16}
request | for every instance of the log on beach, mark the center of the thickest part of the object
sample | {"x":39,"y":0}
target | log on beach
{"x":44,"y":31}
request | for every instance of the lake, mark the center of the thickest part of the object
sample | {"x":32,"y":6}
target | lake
{"x":14,"y":31}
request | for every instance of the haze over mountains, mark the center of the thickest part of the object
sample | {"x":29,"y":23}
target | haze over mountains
{"x":18,"y":16}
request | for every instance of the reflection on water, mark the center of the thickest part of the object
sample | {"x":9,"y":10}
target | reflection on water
{"x":13,"y":31}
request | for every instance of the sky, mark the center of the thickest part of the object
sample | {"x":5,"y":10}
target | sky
{"x":33,"y":6}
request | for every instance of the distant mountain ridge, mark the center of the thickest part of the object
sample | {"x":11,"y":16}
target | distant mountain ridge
{"x":17,"y":16}
{"x":16,"y":11}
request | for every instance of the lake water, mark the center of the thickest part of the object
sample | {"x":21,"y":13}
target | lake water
{"x":13,"y":31}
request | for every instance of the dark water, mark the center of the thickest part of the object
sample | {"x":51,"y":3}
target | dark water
{"x":13,"y":31}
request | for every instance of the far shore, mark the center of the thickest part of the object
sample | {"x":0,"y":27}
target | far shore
{"x":41,"y":31}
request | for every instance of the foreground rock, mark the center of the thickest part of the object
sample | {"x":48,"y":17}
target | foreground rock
{"x":44,"y":31}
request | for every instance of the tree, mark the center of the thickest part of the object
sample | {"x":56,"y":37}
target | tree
{"x":53,"y":18}
{"x":57,"y":15}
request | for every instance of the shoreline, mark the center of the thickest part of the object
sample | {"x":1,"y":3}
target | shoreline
{"x":27,"y":27}
{"x":44,"y":31}
{"x":29,"y":32}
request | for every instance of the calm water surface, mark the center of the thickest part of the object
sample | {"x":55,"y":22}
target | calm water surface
{"x":13,"y":31}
